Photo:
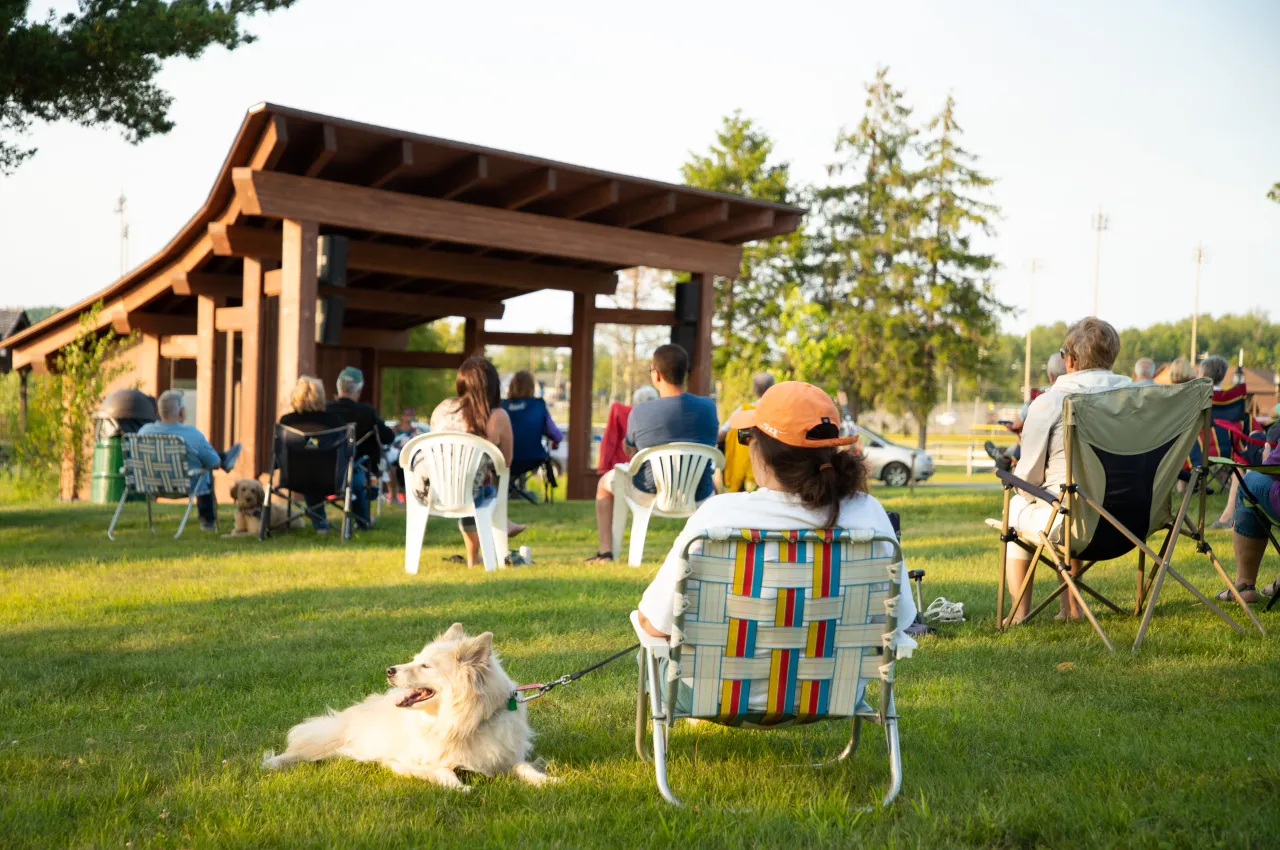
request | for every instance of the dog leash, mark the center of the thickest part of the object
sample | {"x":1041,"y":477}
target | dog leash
{"x":541,"y":689}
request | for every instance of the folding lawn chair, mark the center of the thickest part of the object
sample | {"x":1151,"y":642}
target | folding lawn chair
{"x":810,"y":652}
{"x":439,"y":476}
{"x":1238,"y":470}
{"x":523,"y":470}
{"x":1124,"y":449}
{"x":312,"y":463}
{"x":155,"y":466}
{"x":1230,"y":436}
{"x":677,"y":470}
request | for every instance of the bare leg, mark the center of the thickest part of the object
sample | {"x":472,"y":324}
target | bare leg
{"x":1249,"y":554}
{"x":532,"y":775}
{"x":1068,"y":608}
{"x":604,"y":517}
{"x":1230,"y":510}
{"x":471,"y":540}
{"x":1015,"y":573}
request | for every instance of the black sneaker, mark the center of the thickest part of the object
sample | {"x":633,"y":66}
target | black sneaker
{"x":230,"y":458}
{"x":993,"y":451}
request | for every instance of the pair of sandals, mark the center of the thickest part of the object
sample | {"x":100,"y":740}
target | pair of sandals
{"x":1245,"y":589}
{"x":514,"y":559}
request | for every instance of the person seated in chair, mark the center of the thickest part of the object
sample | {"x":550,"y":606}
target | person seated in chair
{"x":1249,"y":535}
{"x":1144,"y":372}
{"x":309,"y":415}
{"x":674,"y":417}
{"x":477,"y":409}
{"x":368,"y":423}
{"x":530,"y":422}
{"x":1089,"y":352}
{"x":808,"y":476}
{"x":1005,"y":458}
{"x":200,"y":455}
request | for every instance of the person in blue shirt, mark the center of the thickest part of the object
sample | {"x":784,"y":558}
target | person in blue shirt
{"x":675,"y":416}
{"x":530,"y":422}
{"x":200,"y":455}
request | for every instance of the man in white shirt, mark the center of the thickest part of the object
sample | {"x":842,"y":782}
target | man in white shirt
{"x":1090,"y":350}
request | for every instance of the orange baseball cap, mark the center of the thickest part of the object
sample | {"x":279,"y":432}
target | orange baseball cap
{"x":791,"y":412}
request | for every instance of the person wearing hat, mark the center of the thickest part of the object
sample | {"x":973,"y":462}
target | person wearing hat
{"x":808,"y":477}
{"x":348,"y":406}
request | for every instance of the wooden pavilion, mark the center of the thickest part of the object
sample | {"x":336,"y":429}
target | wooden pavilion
{"x":430,"y":228}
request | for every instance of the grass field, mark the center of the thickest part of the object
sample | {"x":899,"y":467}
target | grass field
{"x":141,"y":680}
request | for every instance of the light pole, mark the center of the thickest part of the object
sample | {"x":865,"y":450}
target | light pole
{"x":1100,"y":223}
{"x":1195,"y":304}
{"x":124,"y":235}
{"x":1026,"y":366}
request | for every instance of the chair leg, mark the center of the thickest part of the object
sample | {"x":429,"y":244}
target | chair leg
{"x":895,"y":759}
{"x":661,"y":724}
{"x":1217,"y":565}
{"x":415,"y":528}
{"x":639,"y":529}
{"x":484,"y":530}
{"x":111,"y":529}
{"x":1065,"y":572}
{"x":621,"y":507}
{"x":1142,"y":582}
{"x":501,"y":541}
{"x":641,"y":717}
{"x":150,"y":520}
{"x":191,"y":501}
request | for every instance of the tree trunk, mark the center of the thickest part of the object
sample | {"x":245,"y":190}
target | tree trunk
{"x":922,"y":424}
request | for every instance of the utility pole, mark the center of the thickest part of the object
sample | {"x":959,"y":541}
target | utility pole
{"x":1100,"y":223}
{"x":1195,"y":304}
{"x":124,"y":235}
{"x":1026,"y":366}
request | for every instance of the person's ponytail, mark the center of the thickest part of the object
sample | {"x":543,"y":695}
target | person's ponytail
{"x":821,"y":478}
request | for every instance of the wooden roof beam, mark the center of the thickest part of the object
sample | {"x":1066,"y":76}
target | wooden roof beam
{"x":527,"y":189}
{"x":528,"y":340}
{"x":278,"y":195}
{"x":325,"y":147}
{"x":154,"y":324}
{"x":783,"y":223}
{"x":179,"y":347}
{"x":391,"y":161}
{"x":640,"y":211}
{"x":382,"y":301}
{"x":275,"y":138}
{"x":458,"y":178}
{"x":697,"y":219}
{"x":755,"y":221}
{"x":206,"y":283}
{"x":228,"y":319}
{"x":584,"y":201}
{"x":243,"y":241}
{"x":627,"y":316}
{"x":421,"y":359}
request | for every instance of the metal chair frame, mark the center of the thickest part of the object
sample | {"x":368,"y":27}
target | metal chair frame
{"x":131,"y":480}
{"x":1238,"y":470}
{"x":265,"y":527}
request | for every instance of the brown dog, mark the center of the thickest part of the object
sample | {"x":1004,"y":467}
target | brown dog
{"x":249,"y":497}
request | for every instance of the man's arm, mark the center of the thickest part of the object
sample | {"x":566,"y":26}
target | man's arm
{"x":385,"y":435}
{"x":1035,"y":441}
{"x":209,"y":457}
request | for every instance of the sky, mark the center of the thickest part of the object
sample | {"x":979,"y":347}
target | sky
{"x":1165,"y":114}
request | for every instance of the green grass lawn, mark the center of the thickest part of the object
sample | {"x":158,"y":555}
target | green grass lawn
{"x":141,"y":680}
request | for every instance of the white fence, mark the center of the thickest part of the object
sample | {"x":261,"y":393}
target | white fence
{"x":971,"y":456}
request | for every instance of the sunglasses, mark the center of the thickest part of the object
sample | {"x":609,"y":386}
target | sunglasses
{"x":744,"y":436}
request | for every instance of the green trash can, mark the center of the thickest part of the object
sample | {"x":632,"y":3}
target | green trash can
{"x":107,"y":482}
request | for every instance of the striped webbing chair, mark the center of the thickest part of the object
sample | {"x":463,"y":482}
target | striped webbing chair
{"x":155,"y":466}
{"x":805,"y":618}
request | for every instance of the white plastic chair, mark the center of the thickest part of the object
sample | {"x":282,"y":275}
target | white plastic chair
{"x":677,"y":470}
{"x":443,"y":464}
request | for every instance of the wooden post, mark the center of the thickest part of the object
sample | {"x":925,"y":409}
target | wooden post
{"x":229,"y":392}
{"x":581,"y":367}
{"x":22,"y":400}
{"x":297,"y":324}
{"x":372,"y":377}
{"x":700,"y":358}
{"x":208,"y":369}
{"x":251,"y":463}
{"x":473,"y":337}
{"x":151,"y":377}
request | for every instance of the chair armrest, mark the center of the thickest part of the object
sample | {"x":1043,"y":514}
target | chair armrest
{"x":1269,"y":469}
{"x":1237,"y":432}
{"x":1026,"y":486}
{"x":647,"y":640}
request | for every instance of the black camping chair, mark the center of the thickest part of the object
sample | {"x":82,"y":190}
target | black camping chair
{"x":314,"y":463}
{"x":522,"y":471}
{"x":373,"y":477}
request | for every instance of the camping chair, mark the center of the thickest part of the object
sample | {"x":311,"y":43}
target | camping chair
{"x":523,"y":470}
{"x":311,"y":463}
{"x":1124,"y":448}
{"x":155,"y":466}
{"x":373,"y":477}
{"x":1229,"y":437}
{"x":1238,"y":470}
{"x":677,"y":470}
{"x":811,"y":651}
{"x":439,"y":475}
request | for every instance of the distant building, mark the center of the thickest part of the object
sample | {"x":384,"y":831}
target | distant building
{"x":11,"y":322}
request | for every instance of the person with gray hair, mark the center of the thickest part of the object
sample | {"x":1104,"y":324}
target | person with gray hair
{"x":1214,"y":368}
{"x":365,"y":417}
{"x":200,"y":454}
{"x":1144,"y":372}
{"x":760,"y":383}
{"x":642,"y":395}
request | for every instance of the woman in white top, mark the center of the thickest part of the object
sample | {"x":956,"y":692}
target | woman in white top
{"x":807,"y":477}
{"x":477,"y":409}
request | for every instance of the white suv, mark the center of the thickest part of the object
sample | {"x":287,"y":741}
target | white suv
{"x":890,"y":462}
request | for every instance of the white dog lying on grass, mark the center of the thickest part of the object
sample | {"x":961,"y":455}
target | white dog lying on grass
{"x":448,"y":709}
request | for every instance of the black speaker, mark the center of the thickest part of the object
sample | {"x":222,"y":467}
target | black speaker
{"x":685,"y":335}
{"x":686,"y":295}
{"x":331,"y":270}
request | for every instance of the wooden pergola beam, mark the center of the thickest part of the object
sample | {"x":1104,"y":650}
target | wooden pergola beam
{"x":206,"y":283}
{"x":243,"y":241}
{"x":628,"y":316}
{"x":156,"y":324}
{"x":585,"y":201}
{"x":753,"y":222}
{"x":271,"y":145}
{"x":640,"y":211}
{"x":326,"y":147}
{"x":381,"y":301}
{"x":340,"y":205}
{"x":458,"y":178}
{"x":525,"y":340}
{"x":373,"y":338}
{"x":180,"y":347}
{"x":421,"y":359}
{"x":702,"y":217}
{"x":527,"y":189}
{"x":228,"y":319}
{"x":390,"y":162}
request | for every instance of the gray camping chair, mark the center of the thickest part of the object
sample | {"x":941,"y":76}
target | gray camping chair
{"x":155,"y":466}
{"x":1124,"y":448}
